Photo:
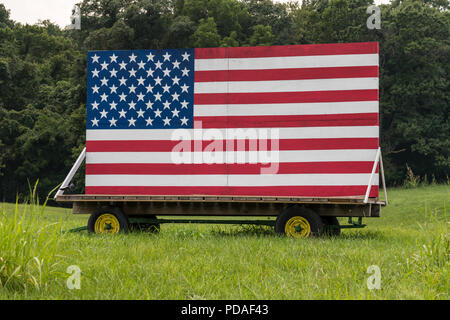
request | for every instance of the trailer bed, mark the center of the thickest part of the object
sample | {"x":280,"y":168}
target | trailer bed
{"x":221,"y":205}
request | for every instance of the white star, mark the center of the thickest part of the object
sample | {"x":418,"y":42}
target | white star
{"x":95,"y":89}
{"x":113,"y":105}
{"x":95,"y":105}
{"x":158,"y":96}
{"x":158,"y":65}
{"x":95,"y":122}
{"x":186,"y":56}
{"x":123,"y":114}
{"x":112,"y":122}
{"x":149,"y":121}
{"x":104,"y":97}
{"x":141,"y":81}
{"x":166,"y":72}
{"x":131,"y":122}
{"x":175,"y":113}
{"x":95,"y":73}
{"x":141,"y":65}
{"x":113,"y":73}
{"x":132,"y":105}
{"x":166,"y":88}
{"x":141,"y":96}
{"x":158,"y":81}
{"x":150,"y":73}
{"x":123,"y":97}
{"x":123,"y":65}
{"x":175,"y":96}
{"x":104,"y":66}
{"x":103,"y":113}
{"x":113,"y":89}
{"x":158,"y":113}
{"x":133,"y":57}
{"x":123,"y":81}
{"x":166,"y":121}
{"x":149,"y":88}
{"x":184,"y":88}
{"x":95,"y":58}
{"x":104,"y":81}
{"x":184,"y":104}
{"x":166,"y":105}
{"x":167,"y":56}
{"x":132,"y":72}
{"x":140,"y":113}
{"x":113,"y":58}
{"x":176,"y":80}
{"x":150,"y":57}
{"x":184,"y":121}
{"x":176,"y":64}
{"x":185,"y":72}
{"x":132,"y":89}
{"x":149,"y":105}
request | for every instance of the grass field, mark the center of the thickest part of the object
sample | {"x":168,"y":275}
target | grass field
{"x":409,"y":243}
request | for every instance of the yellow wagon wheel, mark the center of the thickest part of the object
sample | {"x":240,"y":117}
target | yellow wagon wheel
{"x":108,"y":221}
{"x":297,"y":222}
{"x":297,"y":227}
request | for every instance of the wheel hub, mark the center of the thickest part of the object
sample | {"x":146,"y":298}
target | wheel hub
{"x":298,"y":227}
{"x":107,"y":223}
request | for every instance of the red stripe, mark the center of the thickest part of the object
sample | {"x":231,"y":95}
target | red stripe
{"x":286,"y":97}
{"x":325,"y":120}
{"x":286,"y":74}
{"x":223,"y":169}
{"x":281,"y":191}
{"x":286,"y":51}
{"x":239,"y":145}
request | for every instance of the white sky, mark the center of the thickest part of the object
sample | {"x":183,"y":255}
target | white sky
{"x":57,"y":11}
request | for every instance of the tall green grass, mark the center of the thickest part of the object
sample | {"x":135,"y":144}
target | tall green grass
{"x":28,"y":248}
{"x":409,"y":242}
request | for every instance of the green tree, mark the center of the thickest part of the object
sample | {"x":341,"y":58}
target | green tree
{"x":262,"y":36}
{"x":206,"y":34}
{"x":180,"y":31}
{"x":231,"y":41}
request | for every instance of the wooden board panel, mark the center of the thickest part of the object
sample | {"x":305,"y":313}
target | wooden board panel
{"x":223,"y":208}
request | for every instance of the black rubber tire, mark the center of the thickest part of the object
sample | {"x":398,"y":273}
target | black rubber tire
{"x":331,"y":221}
{"x":123,"y":220}
{"x":314,"y":220}
{"x":146,"y":227}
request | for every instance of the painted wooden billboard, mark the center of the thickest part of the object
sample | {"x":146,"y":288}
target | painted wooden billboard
{"x":298,"y":120}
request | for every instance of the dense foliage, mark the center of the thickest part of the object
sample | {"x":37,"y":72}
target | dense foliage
{"x":43,"y":71}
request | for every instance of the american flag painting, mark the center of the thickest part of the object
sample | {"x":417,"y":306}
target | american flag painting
{"x":282,"y":121}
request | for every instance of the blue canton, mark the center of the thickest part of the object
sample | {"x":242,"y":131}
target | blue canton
{"x":140,"y":89}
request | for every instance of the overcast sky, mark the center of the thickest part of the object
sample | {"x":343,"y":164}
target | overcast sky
{"x":57,"y":11}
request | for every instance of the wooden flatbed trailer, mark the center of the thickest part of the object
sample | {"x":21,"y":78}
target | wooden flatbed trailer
{"x":144,"y":210}
{"x":321,"y":100}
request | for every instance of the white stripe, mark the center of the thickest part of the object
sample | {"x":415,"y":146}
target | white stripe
{"x":346,"y":60}
{"x":231,"y":180}
{"x":284,"y":133}
{"x":286,"y":85}
{"x":233,"y":156}
{"x":285,"y":109}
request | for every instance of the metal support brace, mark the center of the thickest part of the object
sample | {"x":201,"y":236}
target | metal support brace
{"x":379,"y":159}
{"x":72,"y":172}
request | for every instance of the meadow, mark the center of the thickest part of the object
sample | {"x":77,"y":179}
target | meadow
{"x":409,"y":243}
